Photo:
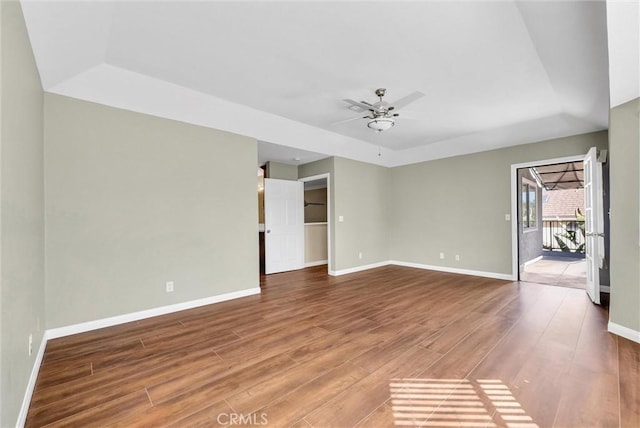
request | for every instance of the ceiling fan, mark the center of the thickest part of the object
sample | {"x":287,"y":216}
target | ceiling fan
{"x":381,"y":113}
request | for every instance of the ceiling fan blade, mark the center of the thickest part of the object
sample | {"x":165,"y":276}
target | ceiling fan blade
{"x":407,"y":100}
{"x":349,"y":120}
{"x":362,"y":105}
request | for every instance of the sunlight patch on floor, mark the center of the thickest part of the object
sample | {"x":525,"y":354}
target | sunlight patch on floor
{"x":456,"y":403}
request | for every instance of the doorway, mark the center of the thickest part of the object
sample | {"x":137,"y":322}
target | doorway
{"x":526,"y":206}
{"x":317,"y":221}
{"x":552,"y":224}
{"x":314,"y":208}
{"x":316,"y":250}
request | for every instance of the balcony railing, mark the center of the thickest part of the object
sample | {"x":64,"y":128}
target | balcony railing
{"x":563,"y":236}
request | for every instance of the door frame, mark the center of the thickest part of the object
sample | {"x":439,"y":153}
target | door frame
{"x":515,"y":193}
{"x":329,"y":217}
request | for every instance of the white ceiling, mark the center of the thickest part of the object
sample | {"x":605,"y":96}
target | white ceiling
{"x":623,"y":28}
{"x":284,"y":154}
{"x":494,"y":73}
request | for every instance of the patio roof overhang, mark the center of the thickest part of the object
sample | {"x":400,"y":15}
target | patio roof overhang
{"x":560,"y":176}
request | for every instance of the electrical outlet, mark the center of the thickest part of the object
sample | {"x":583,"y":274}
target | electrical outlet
{"x":441,"y":256}
{"x":30,"y":344}
{"x":457,"y":257}
{"x":340,"y":218}
{"x":169,"y":287}
{"x":507,"y":217}
{"x":360,"y":255}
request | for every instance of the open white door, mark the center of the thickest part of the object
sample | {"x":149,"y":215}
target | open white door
{"x":283,"y":225}
{"x":594,"y":222}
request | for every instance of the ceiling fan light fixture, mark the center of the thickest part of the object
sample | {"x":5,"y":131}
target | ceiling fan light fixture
{"x":380,"y":124}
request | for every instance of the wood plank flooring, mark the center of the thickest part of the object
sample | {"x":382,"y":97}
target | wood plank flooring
{"x":392,"y":346}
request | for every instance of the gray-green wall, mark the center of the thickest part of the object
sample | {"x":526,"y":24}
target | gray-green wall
{"x":281,"y":171}
{"x":457,"y":205}
{"x":362,"y":199}
{"x":358,"y":192}
{"x":412,"y":213}
{"x":624,"y":145}
{"x":134,"y":201}
{"x":22,"y":294}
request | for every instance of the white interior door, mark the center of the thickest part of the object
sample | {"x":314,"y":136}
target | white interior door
{"x":594,"y":222}
{"x":283,"y":225}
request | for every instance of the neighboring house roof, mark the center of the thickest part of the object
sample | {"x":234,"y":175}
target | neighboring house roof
{"x":562,"y":204}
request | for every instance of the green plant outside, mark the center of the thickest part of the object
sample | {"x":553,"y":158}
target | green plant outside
{"x":569,"y":236}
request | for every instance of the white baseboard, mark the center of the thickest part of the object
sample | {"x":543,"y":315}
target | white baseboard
{"x":31,"y":384}
{"x":318,"y":263}
{"x":532,"y":261}
{"x":504,"y":276}
{"x":358,"y":268}
{"x":135,"y":316}
{"x":623,"y":331}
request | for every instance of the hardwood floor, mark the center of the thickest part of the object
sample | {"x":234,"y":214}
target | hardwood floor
{"x":392,"y":346}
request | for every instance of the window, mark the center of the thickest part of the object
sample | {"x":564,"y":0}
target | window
{"x":529,"y":209}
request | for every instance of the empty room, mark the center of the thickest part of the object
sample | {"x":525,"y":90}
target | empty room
{"x":319,"y":214}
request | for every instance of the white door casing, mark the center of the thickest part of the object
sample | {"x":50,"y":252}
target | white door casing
{"x":594,"y":222}
{"x":515,"y":201}
{"x":327,"y":178}
{"x":283,"y":225}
